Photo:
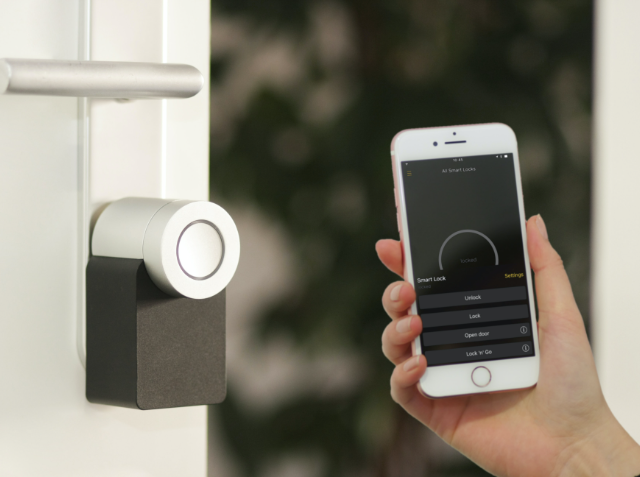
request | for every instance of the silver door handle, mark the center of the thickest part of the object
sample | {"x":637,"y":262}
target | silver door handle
{"x":98,"y":79}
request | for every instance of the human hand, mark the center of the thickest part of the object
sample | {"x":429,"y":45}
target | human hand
{"x":562,"y":426}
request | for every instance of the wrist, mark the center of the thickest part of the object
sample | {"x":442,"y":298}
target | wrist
{"x":608,"y":450}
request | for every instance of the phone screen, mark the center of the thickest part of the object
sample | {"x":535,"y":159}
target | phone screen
{"x":468,"y":258}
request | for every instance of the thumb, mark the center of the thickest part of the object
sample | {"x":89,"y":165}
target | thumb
{"x":553,"y":289}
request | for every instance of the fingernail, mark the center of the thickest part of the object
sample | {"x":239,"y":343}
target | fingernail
{"x":542,"y":228}
{"x":412,"y":363}
{"x":404,"y":325}
{"x":395,"y":293}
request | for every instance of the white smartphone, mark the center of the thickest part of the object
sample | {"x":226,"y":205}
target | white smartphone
{"x":462,"y":225}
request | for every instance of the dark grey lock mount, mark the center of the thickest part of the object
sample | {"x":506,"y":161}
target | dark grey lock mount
{"x":147,"y":349}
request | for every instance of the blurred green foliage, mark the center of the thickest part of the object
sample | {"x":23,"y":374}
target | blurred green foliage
{"x":323,"y":173}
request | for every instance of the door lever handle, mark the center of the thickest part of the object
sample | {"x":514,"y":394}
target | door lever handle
{"x":99,"y":79}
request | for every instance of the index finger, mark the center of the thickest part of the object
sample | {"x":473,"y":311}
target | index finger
{"x":390,"y":254}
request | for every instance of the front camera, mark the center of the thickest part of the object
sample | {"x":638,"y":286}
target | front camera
{"x":435,"y":143}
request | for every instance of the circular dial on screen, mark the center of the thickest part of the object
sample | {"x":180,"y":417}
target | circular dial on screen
{"x":467,"y":248}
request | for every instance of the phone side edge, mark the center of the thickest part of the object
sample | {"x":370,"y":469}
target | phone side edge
{"x":416,"y":347}
{"x":525,"y":246}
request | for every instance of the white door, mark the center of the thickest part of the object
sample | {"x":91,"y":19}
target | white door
{"x":616,"y":230}
{"x":47,"y":427}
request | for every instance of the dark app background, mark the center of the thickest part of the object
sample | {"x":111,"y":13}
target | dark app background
{"x":470,"y":205}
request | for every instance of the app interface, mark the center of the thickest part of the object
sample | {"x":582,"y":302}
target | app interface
{"x":468,"y":258}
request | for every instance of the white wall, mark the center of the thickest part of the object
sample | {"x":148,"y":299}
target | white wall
{"x":47,"y":428}
{"x":616,"y":207}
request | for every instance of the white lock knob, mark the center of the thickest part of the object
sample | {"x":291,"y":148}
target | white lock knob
{"x":190,"y":248}
{"x":200,"y":250}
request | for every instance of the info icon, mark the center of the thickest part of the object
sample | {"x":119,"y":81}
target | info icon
{"x":526,"y":348}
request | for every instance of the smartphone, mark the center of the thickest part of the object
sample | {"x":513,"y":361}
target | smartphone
{"x":462,"y":225}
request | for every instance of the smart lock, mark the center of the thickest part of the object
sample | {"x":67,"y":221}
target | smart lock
{"x":155,"y":278}
{"x":156,"y":303}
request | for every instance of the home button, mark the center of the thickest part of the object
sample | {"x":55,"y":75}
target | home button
{"x":481,"y":376}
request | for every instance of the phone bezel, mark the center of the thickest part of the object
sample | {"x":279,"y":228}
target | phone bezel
{"x":481,"y":139}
